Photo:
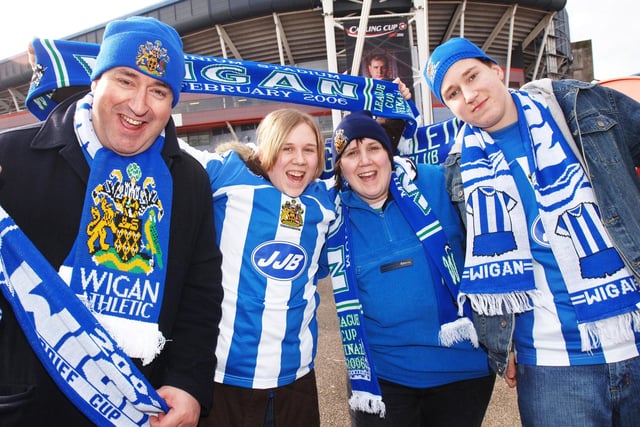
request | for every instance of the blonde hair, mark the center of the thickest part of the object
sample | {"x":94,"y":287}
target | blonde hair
{"x":273,"y":131}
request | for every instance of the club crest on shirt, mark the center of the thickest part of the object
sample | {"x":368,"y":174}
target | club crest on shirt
{"x":152,"y":58}
{"x":122,"y":232}
{"x":292,"y":214}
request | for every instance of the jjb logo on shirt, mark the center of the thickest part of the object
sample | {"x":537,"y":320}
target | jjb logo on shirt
{"x":279,"y":260}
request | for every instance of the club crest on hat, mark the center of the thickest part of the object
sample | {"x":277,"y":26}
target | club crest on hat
{"x":340,"y":140}
{"x":36,"y":75}
{"x":152,"y":58}
{"x":431,"y":70}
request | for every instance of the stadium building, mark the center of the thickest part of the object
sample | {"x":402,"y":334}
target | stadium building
{"x":529,"y":38}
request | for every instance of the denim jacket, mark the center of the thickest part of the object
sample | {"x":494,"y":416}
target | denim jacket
{"x":603,"y":128}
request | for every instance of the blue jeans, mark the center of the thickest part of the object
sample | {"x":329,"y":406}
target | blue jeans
{"x":581,"y":396}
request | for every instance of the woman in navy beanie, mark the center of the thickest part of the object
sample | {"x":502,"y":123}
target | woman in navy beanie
{"x":418,"y":363}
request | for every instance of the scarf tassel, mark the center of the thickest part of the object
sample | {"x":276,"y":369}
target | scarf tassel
{"x":614,"y":330}
{"x":457,"y":331}
{"x":367,"y":402}
{"x":498,"y":304}
{"x":144,"y":341}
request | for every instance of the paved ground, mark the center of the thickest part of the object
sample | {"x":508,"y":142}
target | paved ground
{"x":331,"y":376}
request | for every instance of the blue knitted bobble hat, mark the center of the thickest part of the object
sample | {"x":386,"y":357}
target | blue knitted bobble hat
{"x":447,"y":54}
{"x":145,"y":45}
{"x":358,"y":125}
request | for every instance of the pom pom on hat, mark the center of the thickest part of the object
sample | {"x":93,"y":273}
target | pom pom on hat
{"x":145,"y":45}
{"x":447,"y":54}
{"x":358,"y":125}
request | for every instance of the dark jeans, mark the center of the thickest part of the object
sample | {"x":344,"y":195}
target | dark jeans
{"x":460,"y":404}
{"x":295,"y":404}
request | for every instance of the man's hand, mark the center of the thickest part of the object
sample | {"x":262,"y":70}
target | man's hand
{"x":404,"y":90}
{"x":510,"y":375}
{"x":184,"y":409}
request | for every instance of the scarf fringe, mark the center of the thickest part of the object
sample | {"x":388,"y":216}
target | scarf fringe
{"x":367,"y":402}
{"x":615,"y":330}
{"x":498,"y":304}
{"x":137,"y":339}
{"x":457,"y":331}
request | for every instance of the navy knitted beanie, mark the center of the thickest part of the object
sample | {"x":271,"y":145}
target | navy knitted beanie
{"x":358,"y":125}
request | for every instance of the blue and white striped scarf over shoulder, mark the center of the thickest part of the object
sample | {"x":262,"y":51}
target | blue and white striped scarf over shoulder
{"x":498,"y":272}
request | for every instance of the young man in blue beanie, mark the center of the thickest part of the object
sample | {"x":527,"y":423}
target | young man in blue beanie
{"x":395,"y":251}
{"x":553,"y":235}
{"x":103,"y":191}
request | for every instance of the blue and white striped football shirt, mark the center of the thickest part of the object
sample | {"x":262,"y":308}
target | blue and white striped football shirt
{"x":270,"y":244}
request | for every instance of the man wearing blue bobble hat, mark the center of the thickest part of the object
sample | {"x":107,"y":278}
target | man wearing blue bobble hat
{"x":125,"y":217}
{"x":553,"y":235}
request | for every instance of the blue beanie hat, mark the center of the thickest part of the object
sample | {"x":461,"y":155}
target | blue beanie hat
{"x":447,"y":54}
{"x":145,"y":45}
{"x":358,"y":125}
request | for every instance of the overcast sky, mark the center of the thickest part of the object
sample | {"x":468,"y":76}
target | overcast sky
{"x":614,"y":30}
{"x":612,"y":25}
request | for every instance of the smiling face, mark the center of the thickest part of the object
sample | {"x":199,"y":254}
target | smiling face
{"x":366,"y":166}
{"x":296,"y":162}
{"x":475,"y":93}
{"x":130,"y":110}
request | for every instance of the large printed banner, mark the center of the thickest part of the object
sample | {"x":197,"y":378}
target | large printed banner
{"x":386,"y":54}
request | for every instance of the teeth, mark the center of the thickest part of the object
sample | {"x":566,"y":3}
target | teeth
{"x":131,"y":121}
{"x":366,"y":174}
{"x":297,"y":174}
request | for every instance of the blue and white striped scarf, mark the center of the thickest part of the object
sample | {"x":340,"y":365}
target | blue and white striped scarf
{"x":498,"y":271}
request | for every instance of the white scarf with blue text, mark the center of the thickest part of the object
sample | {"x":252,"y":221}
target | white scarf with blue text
{"x":498,"y":271}
{"x":77,"y":352}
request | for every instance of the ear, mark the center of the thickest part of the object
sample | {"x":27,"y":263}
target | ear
{"x":499,"y":71}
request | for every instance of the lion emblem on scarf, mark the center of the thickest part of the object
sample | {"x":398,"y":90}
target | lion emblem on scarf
{"x":97,"y":228}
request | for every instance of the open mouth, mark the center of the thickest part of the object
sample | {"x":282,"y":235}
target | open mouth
{"x":131,"y":121}
{"x":296,"y":175}
{"x":367,"y":175}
